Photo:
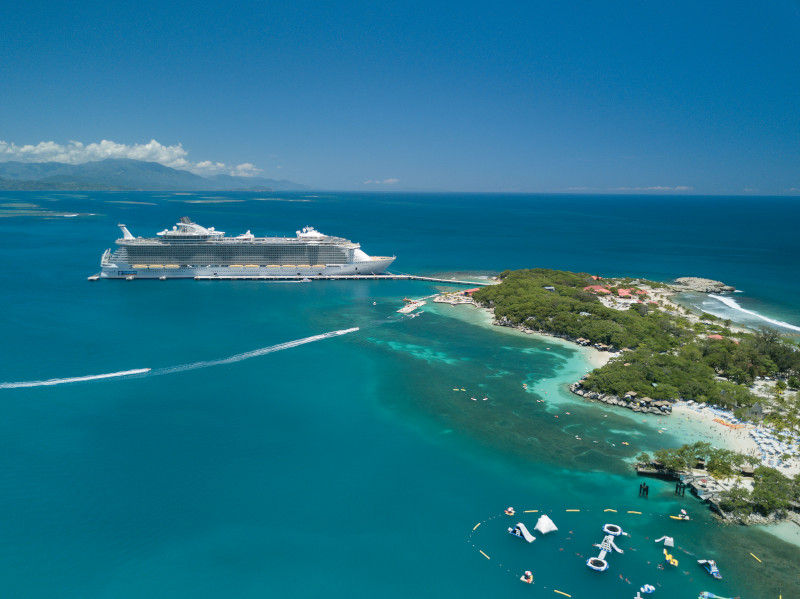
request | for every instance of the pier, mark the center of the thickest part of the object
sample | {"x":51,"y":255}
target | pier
{"x":395,"y":277}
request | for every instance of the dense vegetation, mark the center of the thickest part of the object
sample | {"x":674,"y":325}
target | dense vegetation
{"x":772,"y":491}
{"x":669,"y":356}
{"x":720,"y":463}
{"x":569,"y":311}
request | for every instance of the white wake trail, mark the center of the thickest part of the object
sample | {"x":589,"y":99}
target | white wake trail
{"x":251,"y":354}
{"x":732,"y":303}
{"x":182,"y":367}
{"x":74,"y":379}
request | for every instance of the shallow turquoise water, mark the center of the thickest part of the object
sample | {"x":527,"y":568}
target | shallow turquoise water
{"x":345,"y":467}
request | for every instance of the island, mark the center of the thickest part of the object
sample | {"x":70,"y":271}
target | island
{"x":663,"y":357}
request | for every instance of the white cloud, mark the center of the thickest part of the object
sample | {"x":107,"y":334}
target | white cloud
{"x":76,"y":152}
{"x":656,"y":188}
{"x":389,"y":181}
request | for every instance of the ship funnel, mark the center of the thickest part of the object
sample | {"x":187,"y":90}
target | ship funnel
{"x":125,"y":233}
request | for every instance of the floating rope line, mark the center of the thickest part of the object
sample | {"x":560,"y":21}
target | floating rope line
{"x":483,"y":554}
{"x":756,"y":558}
{"x":608,"y":509}
{"x":477,"y":525}
{"x":561,"y":593}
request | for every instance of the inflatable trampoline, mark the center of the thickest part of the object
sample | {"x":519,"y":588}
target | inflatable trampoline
{"x":612,"y":529}
{"x":597,"y":564}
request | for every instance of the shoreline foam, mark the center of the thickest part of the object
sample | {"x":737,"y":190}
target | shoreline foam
{"x":734,"y":305}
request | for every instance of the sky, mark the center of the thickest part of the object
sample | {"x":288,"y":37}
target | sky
{"x":594,"y":97}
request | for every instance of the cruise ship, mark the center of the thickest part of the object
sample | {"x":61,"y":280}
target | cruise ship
{"x":189,"y":250}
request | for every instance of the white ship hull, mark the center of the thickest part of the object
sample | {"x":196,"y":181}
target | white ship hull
{"x":124,"y":271}
{"x":190,"y":251}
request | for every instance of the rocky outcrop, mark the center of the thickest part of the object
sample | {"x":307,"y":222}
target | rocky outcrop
{"x":630,"y":401}
{"x":504,"y":321}
{"x":702,"y":285}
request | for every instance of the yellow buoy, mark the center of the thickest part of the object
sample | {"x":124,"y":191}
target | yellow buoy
{"x":476,"y":526}
{"x":483,"y":554}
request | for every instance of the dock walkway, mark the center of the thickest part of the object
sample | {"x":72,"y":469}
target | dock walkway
{"x":400,"y":277}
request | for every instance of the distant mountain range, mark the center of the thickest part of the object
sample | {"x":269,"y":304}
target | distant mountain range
{"x":125,"y":174}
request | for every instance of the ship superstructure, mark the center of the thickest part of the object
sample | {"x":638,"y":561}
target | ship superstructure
{"x":189,"y":250}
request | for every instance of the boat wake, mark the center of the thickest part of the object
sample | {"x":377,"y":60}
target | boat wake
{"x":74,"y":379}
{"x":733,"y":304}
{"x":251,"y":354}
{"x":181,"y":367}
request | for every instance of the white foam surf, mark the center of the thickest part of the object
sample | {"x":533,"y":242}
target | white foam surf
{"x":181,"y":367}
{"x":733,"y":304}
{"x":74,"y":379}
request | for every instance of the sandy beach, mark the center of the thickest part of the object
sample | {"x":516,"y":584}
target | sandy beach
{"x":700,"y":426}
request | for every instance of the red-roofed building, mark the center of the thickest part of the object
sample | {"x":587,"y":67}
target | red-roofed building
{"x":470,"y":291}
{"x":624,"y":292}
{"x":640,"y":292}
{"x":716,"y":337}
{"x":596,"y":278}
{"x":596,"y":289}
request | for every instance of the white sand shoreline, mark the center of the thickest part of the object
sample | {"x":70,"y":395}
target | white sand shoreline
{"x":710,"y":431}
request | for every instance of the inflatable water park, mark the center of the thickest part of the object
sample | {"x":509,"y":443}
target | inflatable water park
{"x":564,"y":550}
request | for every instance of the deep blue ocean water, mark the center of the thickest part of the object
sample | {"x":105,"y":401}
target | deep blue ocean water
{"x":348,"y":466}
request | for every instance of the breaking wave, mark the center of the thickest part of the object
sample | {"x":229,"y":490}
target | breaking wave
{"x":181,"y":367}
{"x":733,"y":304}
